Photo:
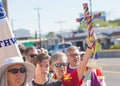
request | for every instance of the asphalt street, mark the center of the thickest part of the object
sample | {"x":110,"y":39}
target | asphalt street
{"x":111,"y":70}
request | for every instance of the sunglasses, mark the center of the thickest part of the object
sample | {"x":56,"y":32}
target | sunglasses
{"x":33,"y":55}
{"x":60,"y":64}
{"x":15,"y":70}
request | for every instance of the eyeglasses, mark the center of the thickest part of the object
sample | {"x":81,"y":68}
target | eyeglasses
{"x":73,"y":55}
{"x":60,"y":64}
{"x":15,"y":70}
{"x":33,"y":55}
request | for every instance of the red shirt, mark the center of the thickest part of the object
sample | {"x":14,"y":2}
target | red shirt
{"x":70,"y":79}
{"x":70,"y":70}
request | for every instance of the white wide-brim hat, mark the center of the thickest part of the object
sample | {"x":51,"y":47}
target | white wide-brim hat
{"x":18,"y":60}
{"x":82,"y":52}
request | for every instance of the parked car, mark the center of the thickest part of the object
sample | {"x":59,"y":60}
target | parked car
{"x":50,"y":47}
{"x":62,"y":47}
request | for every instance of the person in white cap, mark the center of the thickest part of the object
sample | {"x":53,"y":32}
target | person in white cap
{"x":16,"y":72}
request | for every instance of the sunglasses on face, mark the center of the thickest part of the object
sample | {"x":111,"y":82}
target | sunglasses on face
{"x":15,"y":70}
{"x":33,"y":55}
{"x":60,"y":64}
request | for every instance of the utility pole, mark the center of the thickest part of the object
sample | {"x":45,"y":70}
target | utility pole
{"x":39,"y":29}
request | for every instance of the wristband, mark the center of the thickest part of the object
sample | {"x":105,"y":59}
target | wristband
{"x":89,"y":47}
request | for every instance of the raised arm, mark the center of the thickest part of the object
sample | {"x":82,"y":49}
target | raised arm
{"x":82,"y":65}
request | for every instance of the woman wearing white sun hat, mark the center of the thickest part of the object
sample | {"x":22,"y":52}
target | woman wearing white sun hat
{"x":16,"y":72}
{"x":13,"y":70}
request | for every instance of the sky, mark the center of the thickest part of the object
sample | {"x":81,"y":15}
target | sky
{"x":55,"y":15}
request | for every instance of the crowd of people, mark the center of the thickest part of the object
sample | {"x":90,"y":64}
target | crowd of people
{"x":29,"y":66}
{"x":37,"y":68}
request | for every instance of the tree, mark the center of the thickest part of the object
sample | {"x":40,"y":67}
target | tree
{"x":50,"y":34}
{"x":113,"y":23}
{"x":101,"y":23}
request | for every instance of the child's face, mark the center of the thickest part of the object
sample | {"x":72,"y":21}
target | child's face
{"x":42,"y":68}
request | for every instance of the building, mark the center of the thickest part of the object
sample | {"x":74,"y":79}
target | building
{"x":105,"y":35}
{"x":22,"y":34}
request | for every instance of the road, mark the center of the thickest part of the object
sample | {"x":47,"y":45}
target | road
{"x":111,"y":70}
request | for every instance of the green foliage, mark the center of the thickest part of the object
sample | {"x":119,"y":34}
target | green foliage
{"x":82,"y":25}
{"x":114,"y":23}
{"x":99,"y":47}
{"x":50,"y":34}
{"x":101,"y":23}
{"x":117,"y":46}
